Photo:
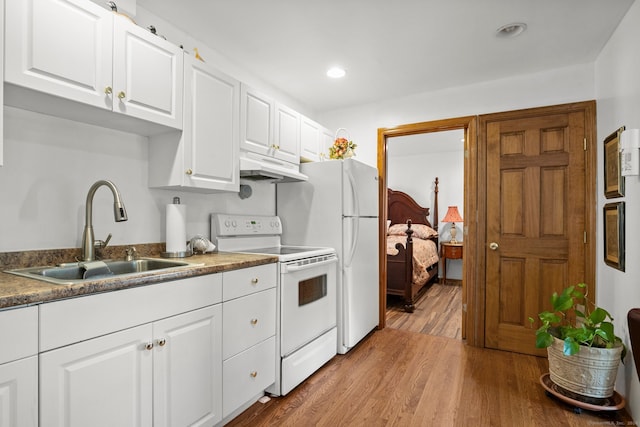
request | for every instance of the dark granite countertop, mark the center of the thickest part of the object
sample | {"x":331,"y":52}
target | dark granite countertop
{"x":17,"y":291}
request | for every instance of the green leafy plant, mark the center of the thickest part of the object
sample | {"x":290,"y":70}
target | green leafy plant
{"x":576,"y":323}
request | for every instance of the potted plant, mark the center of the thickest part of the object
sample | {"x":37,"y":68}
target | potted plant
{"x":583,"y":350}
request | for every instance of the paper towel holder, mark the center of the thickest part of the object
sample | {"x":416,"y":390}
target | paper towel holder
{"x":179,"y":254}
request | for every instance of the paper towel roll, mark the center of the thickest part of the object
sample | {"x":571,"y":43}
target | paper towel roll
{"x":176,"y":228}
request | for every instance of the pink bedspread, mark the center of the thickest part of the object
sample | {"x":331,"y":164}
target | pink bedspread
{"x":425,"y":254}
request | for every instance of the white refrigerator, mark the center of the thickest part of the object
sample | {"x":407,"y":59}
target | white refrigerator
{"x":338,"y":207}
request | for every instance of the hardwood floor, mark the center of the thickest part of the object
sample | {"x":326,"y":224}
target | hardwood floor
{"x":438,"y":311}
{"x":402,"y":378}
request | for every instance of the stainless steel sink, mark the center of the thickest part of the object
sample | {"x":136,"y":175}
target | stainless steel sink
{"x":79,"y":272}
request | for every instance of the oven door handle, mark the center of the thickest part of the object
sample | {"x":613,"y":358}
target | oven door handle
{"x":290,"y":268}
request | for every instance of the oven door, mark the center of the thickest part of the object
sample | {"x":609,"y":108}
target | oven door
{"x":308,"y":300}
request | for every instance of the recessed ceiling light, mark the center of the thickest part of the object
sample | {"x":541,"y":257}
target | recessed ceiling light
{"x":336,"y":72}
{"x":511,"y":30}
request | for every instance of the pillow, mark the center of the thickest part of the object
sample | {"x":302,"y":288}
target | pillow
{"x":421,"y":231}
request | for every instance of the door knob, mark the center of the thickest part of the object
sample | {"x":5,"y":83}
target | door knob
{"x":493,"y":246}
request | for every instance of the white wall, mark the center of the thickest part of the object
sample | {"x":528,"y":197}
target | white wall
{"x":546,"y":88}
{"x":618,"y":95}
{"x":50,"y":164}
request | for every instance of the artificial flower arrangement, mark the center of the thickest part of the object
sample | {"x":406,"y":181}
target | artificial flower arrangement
{"x":342,"y":148}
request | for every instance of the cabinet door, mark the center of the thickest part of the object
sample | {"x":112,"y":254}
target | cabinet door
{"x":211,"y":140}
{"x":326,"y":141}
{"x":104,"y":381}
{"x":188,"y":369}
{"x":60,"y":47}
{"x":256,"y":122}
{"x":19,"y":393}
{"x":309,"y":139}
{"x":287,"y":134}
{"x":147,"y":75}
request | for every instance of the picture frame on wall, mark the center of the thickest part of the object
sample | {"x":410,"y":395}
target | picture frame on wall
{"x":613,"y":180}
{"x":614,"y":222}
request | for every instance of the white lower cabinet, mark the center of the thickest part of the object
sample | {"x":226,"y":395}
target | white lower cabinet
{"x":187,"y":377}
{"x":164,"y":369}
{"x":19,"y":367}
{"x":249,"y":325}
{"x":106,"y":381}
{"x":164,"y":373}
{"x":19,"y":393}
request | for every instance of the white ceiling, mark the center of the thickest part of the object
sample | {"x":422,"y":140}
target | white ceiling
{"x":392,"y":48}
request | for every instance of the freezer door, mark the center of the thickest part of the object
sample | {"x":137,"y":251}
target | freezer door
{"x":360,"y":284}
{"x":360,"y":189}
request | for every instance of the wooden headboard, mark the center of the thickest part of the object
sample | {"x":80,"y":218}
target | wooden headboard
{"x":402,"y":207}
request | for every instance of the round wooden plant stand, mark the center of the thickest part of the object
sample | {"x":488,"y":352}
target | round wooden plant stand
{"x":580,"y":402}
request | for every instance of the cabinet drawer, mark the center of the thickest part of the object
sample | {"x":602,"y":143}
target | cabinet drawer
{"x":453,"y":251}
{"x":248,"y":374}
{"x":247,"y":321}
{"x":73,"y":320}
{"x":246,"y":281}
{"x":18,"y":333}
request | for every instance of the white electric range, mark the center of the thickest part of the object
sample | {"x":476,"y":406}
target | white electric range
{"x":306,"y":332}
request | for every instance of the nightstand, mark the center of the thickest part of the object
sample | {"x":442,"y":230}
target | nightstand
{"x":449,"y":250}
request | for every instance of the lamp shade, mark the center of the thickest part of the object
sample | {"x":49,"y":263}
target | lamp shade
{"x":452,"y":215}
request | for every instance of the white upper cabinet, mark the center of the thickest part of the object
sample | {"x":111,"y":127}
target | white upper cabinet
{"x":75,"y":50}
{"x":268,"y":128}
{"x":310,"y":132}
{"x":326,"y":141}
{"x":256,"y":122}
{"x":147,"y":75}
{"x":205,"y":155}
{"x":287,"y":134}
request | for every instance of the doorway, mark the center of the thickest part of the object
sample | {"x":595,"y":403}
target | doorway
{"x":468,"y":126}
{"x":429,"y":169}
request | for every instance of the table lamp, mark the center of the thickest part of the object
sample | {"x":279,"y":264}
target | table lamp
{"x":452,"y":216}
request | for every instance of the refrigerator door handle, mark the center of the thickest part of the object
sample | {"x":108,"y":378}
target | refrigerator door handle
{"x":354,"y":192}
{"x":354,"y":240}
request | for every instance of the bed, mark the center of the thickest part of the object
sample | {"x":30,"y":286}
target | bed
{"x":412,"y":247}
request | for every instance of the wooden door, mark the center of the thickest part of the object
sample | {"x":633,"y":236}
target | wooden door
{"x":536,"y":215}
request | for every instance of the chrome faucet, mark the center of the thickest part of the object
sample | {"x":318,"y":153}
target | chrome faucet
{"x":120,"y":214}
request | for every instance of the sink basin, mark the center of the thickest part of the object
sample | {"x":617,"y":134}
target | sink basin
{"x":70,"y":273}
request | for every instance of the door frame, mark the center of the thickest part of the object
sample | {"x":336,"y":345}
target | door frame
{"x":471,"y":307}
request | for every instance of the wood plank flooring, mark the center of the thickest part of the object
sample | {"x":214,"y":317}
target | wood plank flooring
{"x":438,"y":311}
{"x":402,"y":378}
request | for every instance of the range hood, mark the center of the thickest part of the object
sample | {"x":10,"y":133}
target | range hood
{"x":257,"y":167}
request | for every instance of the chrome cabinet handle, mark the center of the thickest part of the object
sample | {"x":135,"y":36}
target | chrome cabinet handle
{"x":254,"y":321}
{"x":189,"y":172}
{"x":254,"y":281}
{"x":493,"y":246}
{"x":149,"y":346}
{"x":162,"y":342}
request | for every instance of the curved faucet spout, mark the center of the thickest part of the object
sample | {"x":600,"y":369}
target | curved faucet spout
{"x":119,"y":213}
